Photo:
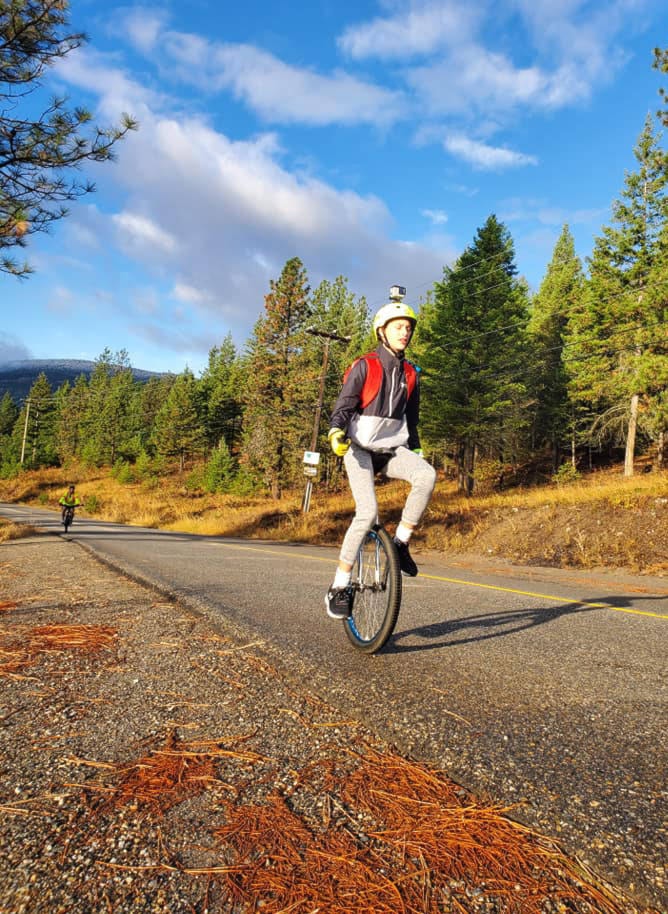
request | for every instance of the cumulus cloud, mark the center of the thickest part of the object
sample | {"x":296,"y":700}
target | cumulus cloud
{"x":486,"y":157}
{"x":216,"y":218}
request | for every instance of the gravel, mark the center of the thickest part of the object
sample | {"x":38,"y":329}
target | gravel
{"x":82,"y":826}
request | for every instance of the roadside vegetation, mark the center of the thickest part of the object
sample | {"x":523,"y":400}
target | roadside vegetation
{"x":601,"y":519}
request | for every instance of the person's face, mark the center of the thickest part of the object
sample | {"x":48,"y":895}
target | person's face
{"x":398,"y":333}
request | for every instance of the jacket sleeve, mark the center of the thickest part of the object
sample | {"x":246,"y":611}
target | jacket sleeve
{"x":413,"y":416}
{"x":348,"y":400}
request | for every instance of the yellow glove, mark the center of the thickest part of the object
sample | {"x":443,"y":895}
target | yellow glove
{"x":338,"y":441}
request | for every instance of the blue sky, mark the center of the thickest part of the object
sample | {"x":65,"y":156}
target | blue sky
{"x":370,"y":139}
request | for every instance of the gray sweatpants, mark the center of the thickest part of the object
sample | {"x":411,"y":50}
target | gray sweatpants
{"x":404,"y":464}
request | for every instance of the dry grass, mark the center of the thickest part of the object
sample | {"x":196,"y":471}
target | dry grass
{"x":11,"y":531}
{"x":603,"y":519}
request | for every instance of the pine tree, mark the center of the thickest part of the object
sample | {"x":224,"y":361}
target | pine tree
{"x":338,"y":333}
{"x":661,"y":64}
{"x":473,"y":352}
{"x":557,"y":297}
{"x":38,"y":148}
{"x":9,"y":413}
{"x":179,"y":431}
{"x":36,"y":426}
{"x":107,"y":422}
{"x":221,"y":394}
{"x":618,"y":328}
{"x":149,"y":398}
{"x":280,"y":393}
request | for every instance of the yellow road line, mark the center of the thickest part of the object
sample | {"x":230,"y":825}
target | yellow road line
{"x":435,"y":577}
{"x":546,"y":596}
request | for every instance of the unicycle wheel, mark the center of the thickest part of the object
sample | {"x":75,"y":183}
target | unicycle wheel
{"x":376,"y":583}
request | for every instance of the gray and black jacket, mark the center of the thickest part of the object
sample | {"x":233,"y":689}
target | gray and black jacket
{"x":390,"y":420}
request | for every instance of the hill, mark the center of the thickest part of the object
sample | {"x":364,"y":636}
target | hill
{"x":18,"y":377}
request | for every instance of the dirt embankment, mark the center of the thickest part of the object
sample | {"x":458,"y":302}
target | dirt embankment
{"x":599,"y":534}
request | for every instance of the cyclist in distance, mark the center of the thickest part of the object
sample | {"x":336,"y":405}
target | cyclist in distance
{"x":373,"y":426}
{"x":69,"y":500}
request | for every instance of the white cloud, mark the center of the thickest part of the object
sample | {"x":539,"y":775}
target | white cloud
{"x":416,"y":31}
{"x":142,"y":26}
{"x":278,"y":92}
{"x":140,"y":232}
{"x":436,"y":216}
{"x":188,"y":294}
{"x":281,"y":93}
{"x":485,"y":157}
{"x":213,"y":219}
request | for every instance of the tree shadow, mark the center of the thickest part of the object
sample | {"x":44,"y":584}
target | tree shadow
{"x":482,"y":627}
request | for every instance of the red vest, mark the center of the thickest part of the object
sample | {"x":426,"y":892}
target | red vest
{"x":374,"y":376}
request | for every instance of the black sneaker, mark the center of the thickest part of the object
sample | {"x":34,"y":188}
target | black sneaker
{"x":339,"y":602}
{"x":408,"y":566}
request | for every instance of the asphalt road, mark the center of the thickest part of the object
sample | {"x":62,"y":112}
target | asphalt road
{"x":537,"y":687}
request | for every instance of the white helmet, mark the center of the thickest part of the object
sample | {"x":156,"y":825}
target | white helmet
{"x":390,"y":312}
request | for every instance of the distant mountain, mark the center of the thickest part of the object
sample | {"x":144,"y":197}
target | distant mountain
{"x":18,"y":377}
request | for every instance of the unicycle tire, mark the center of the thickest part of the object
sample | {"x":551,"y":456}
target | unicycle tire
{"x":376,"y":583}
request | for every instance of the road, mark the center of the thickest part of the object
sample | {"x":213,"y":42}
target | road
{"x":537,"y":687}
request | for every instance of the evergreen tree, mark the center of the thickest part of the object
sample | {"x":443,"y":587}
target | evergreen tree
{"x":473,"y":354}
{"x":557,"y":297}
{"x":179,"y":431}
{"x":39,"y":147}
{"x":338,"y":333}
{"x":614,"y":334}
{"x":71,"y":402}
{"x":661,"y":64}
{"x":107,"y":421}
{"x":280,"y":393}
{"x":35,"y":426}
{"x":221,"y":394}
{"x":9,"y":413}
{"x":148,"y":400}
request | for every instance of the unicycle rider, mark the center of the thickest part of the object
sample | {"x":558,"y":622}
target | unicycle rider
{"x":373,"y":426}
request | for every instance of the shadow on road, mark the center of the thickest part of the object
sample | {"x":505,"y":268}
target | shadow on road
{"x":500,"y":624}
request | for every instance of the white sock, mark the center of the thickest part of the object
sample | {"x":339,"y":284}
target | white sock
{"x":403,"y":533}
{"x":341,"y":578}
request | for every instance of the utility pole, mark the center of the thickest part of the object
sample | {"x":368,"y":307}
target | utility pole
{"x":328,"y":337}
{"x":25,"y":431}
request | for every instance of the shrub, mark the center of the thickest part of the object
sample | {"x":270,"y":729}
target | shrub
{"x":123,"y":472}
{"x":92,"y":504}
{"x":218,"y":472}
{"x":565,"y":474}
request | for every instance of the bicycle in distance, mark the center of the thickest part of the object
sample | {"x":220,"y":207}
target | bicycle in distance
{"x":67,"y":516}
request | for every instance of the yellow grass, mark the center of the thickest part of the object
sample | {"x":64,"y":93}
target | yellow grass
{"x":601,"y":502}
{"x":11,"y":531}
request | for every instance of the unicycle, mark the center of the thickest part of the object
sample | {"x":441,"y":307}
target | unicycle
{"x":376,"y":586}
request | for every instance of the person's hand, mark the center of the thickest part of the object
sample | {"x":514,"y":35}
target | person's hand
{"x":338,"y":441}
